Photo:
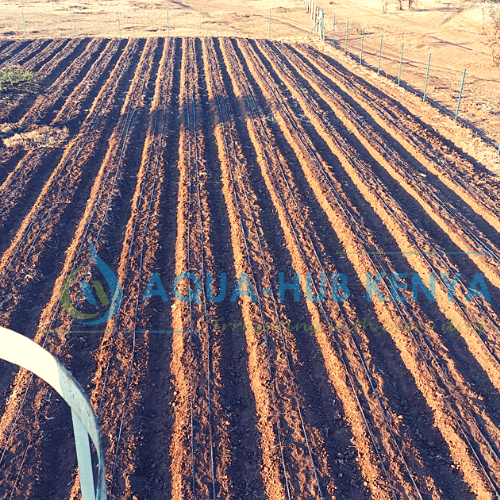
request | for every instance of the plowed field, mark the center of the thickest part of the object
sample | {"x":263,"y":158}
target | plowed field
{"x":235,"y":156}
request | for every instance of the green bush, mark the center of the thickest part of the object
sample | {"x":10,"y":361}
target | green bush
{"x":14,"y":80}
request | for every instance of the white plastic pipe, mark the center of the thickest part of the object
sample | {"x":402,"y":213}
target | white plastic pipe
{"x":22,"y":351}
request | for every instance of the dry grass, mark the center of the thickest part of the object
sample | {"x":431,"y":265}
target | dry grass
{"x":494,"y":33}
{"x":41,"y":137}
{"x":7,"y":128}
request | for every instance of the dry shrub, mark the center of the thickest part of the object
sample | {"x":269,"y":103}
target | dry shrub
{"x":39,"y":138}
{"x":7,"y":128}
{"x":493,"y":33}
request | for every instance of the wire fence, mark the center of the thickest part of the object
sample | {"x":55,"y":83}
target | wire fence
{"x":274,"y":23}
{"x":368,"y":49}
{"x":401,"y":61}
{"x":408,"y":65}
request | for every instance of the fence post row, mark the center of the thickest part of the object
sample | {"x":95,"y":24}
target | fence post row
{"x":318,"y":16}
{"x":424,"y":97}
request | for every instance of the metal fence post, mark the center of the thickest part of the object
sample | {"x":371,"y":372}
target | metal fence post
{"x":460,"y":95}
{"x":362,"y":43}
{"x":24,"y":26}
{"x":346,"y":34}
{"x":427,"y":78}
{"x":380,"y":53}
{"x":333,"y":32}
{"x":74,"y":25}
{"x":400,"y":63}
{"x":119,"y":25}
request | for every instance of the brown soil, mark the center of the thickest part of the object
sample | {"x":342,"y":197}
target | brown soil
{"x":230,"y":155}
